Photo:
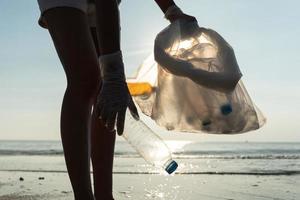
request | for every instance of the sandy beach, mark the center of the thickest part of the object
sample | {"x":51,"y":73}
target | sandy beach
{"x":207,"y":171}
{"x":140,"y":186}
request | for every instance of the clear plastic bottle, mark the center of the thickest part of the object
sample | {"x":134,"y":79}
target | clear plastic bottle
{"x":148,"y":144}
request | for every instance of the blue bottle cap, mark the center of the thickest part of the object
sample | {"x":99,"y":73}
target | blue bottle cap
{"x":171,"y":167}
{"x":226,"y":109}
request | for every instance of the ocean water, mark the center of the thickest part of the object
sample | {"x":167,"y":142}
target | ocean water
{"x":248,"y":158}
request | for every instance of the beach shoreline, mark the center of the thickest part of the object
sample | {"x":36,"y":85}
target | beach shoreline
{"x":206,"y":171}
{"x":51,"y":185}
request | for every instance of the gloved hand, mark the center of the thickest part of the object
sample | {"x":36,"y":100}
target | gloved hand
{"x":114,"y":96}
{"x":173,"y":13}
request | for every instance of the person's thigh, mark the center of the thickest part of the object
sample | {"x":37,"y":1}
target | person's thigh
{"x":73,"y":41}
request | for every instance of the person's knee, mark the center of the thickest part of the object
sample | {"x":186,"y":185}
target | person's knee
{"x":84,"y":85}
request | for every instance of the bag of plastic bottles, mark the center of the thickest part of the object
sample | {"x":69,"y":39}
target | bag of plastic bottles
{"x":194,"y":85}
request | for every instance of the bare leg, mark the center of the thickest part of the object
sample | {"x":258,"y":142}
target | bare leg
{"x":103,"y":142}
{"x":71,"y":35}
{"x":108,"y":26}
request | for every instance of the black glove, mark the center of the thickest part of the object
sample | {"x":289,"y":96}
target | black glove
{"x":174,"y":13}
{"x":114,"y":96}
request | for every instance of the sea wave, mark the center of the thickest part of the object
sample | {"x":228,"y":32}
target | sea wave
{"x":257,"y":157}
{"x":245,"y":173}
{"x":178,"y":155}
{"x":31,"y":153}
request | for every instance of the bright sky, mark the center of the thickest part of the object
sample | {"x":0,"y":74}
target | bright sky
{"x":264,"y":34}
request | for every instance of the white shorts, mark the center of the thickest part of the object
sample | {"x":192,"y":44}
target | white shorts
{"x":86,"y":6}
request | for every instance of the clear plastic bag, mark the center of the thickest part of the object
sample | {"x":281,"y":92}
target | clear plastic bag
{"x":196,"y":86}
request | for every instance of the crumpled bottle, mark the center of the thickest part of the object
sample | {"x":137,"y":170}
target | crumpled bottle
{"x":196,"y":86}
{"x":148,"y":144}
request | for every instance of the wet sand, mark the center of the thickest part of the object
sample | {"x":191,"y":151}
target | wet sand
{"x":55,"y":185}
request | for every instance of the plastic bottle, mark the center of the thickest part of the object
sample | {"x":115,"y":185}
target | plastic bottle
{"x":148,"y":144}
